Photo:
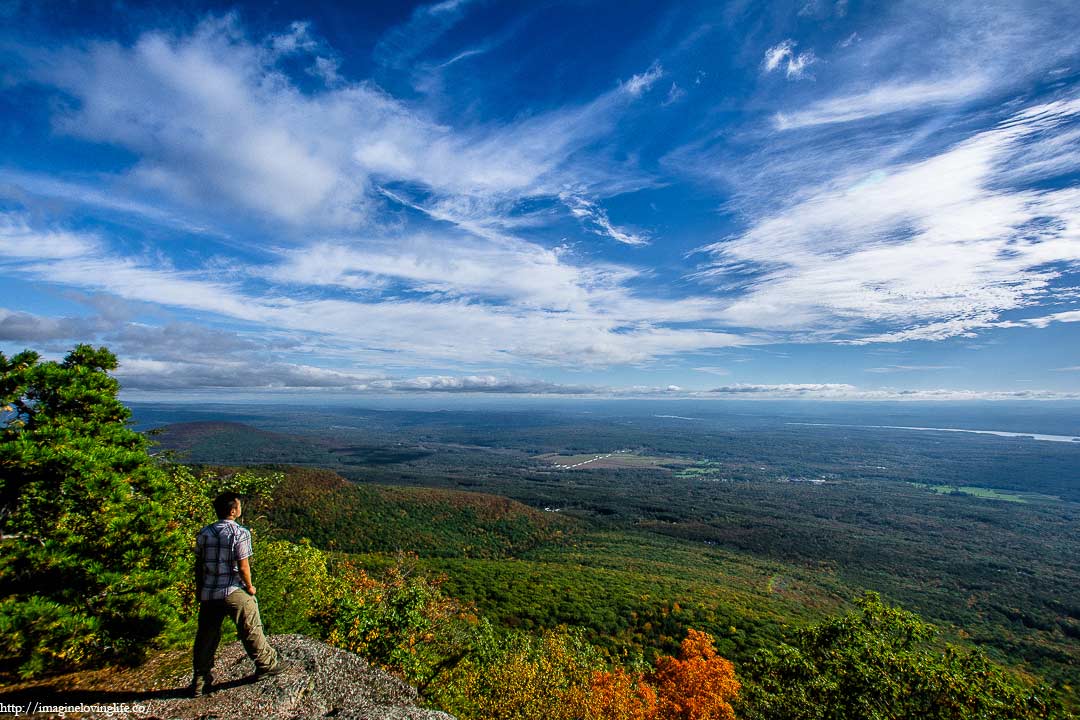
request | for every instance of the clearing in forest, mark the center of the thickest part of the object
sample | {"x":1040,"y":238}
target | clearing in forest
{"x":618,"y":459}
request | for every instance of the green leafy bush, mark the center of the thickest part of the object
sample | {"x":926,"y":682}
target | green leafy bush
{"x":401,"y":621}
{"x":294,"y":587}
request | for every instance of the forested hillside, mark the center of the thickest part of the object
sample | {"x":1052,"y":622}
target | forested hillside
{"x":962,"y":528}
{"x":596,"y":594}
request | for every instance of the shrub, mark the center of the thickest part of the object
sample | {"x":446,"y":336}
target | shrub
{"x":295,"y":588}
{"x":401,"y":621}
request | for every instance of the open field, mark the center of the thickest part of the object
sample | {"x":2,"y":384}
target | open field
{"x":610,"y":461}
{"x":986,"y":493}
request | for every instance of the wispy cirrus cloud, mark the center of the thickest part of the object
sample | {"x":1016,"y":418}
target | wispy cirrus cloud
{"x":911,"y":368}
{"x":966,"y":51}
{"x":928,"y":249}
{"x":521,"y":273}
{"x":211,"y":120}
{"x":103,"y":194}
{"x":427,"y":23}
{"x":596,"y":218}
{"x":882,"y":100}
{"x":216,"y":122}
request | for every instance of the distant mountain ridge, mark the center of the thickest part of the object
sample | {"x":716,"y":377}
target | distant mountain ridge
{"x":330,"y":511}
{"x":223,"y":442}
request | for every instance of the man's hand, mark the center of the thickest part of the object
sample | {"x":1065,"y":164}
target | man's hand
{"x":250,"y":589}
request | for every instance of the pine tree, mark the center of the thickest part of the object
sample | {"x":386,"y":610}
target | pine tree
{"x":90,"y":554}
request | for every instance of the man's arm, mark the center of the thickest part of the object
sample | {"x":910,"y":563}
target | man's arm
{"x":198,"y":565}
{"x":245,"y":575}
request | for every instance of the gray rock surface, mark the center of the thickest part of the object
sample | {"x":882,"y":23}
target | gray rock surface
{"x":322,"y":682}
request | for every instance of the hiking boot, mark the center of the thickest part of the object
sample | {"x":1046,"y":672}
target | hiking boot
{"x":276,"y":669}
{"x":201,"y":685}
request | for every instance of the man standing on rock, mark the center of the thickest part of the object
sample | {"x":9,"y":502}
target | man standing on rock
{"x":223,"y":583}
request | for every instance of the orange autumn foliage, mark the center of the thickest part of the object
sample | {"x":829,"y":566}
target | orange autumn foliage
{"x":559,"y":676}
{"x":698,"y":685}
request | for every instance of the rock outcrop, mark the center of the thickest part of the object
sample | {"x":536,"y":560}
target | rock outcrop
{"x":321,"y":682}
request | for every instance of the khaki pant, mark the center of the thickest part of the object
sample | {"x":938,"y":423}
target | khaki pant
{"x":244,"y":612}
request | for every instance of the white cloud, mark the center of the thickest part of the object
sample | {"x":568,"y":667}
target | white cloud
{"x":637,"y":85}
{"x":402,"y":44}
{"x":525,"y":274}
{"x":882,"y":100}
{"x":911,"y":368}
{"x":212,"y":119}
{"x":297,"y":39}
{"x":327,"y":70}
{"x":929,"y":55}
{"x":783,"y":55}
{"x":560,"y":315}
{"x":530,"y":157}
{"x":216,"y":122}
{"x":596,"y":218}
{"x":788,"y":389}
{"x":846,"y":392}
{"x":19,"y":240}
{"x":148,"y":374}
{"x":775,"y":55}
{"x":140,"y":374}
{"x":1042,"y":321}
{"x":925,"y":250}
{"x":713,"y":370}
{"x":675,"y":94}
{"x":479,"y":384}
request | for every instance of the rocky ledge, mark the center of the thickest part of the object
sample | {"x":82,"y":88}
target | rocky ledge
{"x":321,"y":682}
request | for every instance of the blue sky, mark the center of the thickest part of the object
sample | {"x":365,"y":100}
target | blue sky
{"x":818,"y":199}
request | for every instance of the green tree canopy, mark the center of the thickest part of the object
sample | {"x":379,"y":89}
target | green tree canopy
{"x":91,"y":548}
{"x":878,"y":663}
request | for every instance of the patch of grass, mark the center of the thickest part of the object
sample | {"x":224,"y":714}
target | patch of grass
{"x":979,"y":492}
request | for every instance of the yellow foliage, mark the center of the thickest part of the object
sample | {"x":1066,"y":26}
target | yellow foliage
{"x":615,"y":695}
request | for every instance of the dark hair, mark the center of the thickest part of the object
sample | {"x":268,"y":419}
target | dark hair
{"x":224,"y":504}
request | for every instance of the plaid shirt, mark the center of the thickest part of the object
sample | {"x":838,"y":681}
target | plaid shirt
{"x":218,"y":548}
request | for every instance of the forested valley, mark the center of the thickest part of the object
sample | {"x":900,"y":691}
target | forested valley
{"x":569,"y":561}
